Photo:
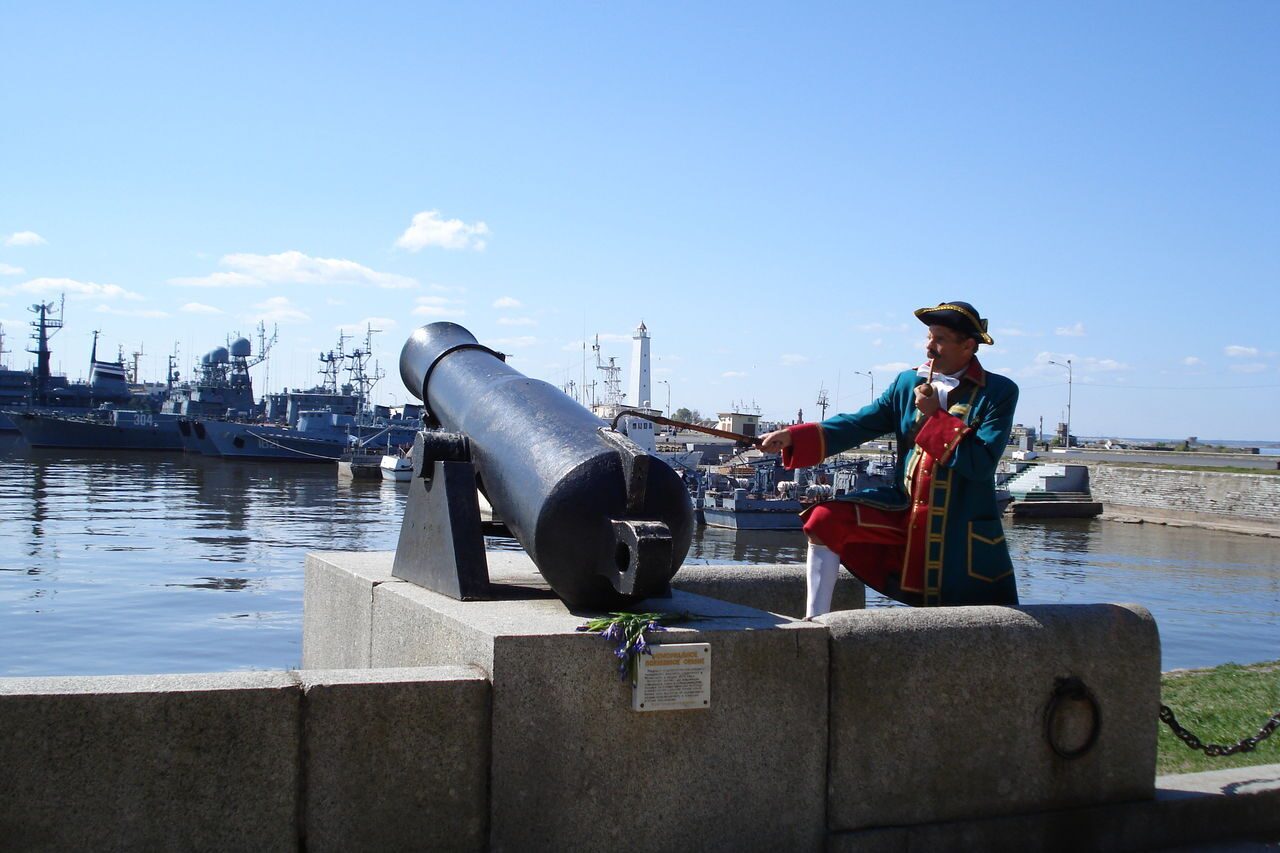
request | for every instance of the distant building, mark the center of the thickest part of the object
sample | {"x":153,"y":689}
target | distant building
{"x":742,"y":423}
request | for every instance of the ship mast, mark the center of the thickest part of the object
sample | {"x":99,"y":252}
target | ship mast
{"x":45,"y":327}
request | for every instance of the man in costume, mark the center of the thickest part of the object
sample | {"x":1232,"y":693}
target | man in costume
{"x":934,"y":537}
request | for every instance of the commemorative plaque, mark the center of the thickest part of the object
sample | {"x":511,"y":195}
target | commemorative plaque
{"x":676,"y":677}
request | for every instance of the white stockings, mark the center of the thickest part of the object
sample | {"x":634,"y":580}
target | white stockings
{"x":823,"y":565}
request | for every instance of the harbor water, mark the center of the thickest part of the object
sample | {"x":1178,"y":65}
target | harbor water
{"x":114,"y":563}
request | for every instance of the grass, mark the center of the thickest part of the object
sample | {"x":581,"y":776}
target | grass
{"x":1220,"y":705}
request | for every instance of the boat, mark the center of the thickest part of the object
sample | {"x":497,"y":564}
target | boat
{"x":749,"y":494}
{"x":396,"y":467}
{"x":360,"y":463}
{"x":318,"y":435}
{"x":106,"y":428}
{"x":39,"y":391}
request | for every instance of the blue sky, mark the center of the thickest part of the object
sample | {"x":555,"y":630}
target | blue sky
{"x":772,"y":189}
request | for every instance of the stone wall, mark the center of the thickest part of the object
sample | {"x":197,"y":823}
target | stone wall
{"x":1207,"y":494}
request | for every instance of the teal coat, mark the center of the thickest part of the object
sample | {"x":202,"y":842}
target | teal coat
{"x":956,"y":551}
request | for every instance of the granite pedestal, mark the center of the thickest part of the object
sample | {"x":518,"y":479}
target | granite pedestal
{"x":573,"y":767}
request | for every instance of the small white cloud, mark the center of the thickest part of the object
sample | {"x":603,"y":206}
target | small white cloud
{"x":74,"y":289}
{"x":1075,"y":330}
{"x":791,"y":359}
{"x":428,"y":229}
{"x":199,"y":308}
{"x":517,"y":321}
{"x":1249,"y":367}
{"x":9,"y":269}
{"x":506,"y":302}
{"x":24,"y":238}
{"x":378,"y":324}
{"x":438,"y":306}
{"x":1192,"y":361}
{"x":278,"y":309}
{"x":603,"y":337}
{"x":522,"y":342}
{"x":293,"y":267}
{"x":733,"y":374}
{"x":1235,"y":351}
{"x":152,"y":314}
{"x":891,"y":367}
{"x":1104,"y":365}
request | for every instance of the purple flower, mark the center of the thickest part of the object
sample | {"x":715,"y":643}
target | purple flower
{"x":654,"y":626}
{"x":622,"y":651}
{"x":613,"y":632}
{"x":641,"y":647}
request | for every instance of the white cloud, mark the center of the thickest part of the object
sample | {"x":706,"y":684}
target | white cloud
{"x":517,"y":321}
{"x":278,"y":309}
{"x":891,"y":367}
{"x":733,"y":374}
{"x":71,"y":287}
{"x":1235,"y":351}
{"x":1104,"y":365}
{"x":1249,"y":367}
{"x":438,"y":306}
{"x":293,"y":267}
{"x":428,"y":229}
{"x":152,"y":313}
{"x":24,"y":238}
{"x":378,"y":324}
{"x":603,"y":337}
{"x":506,"y":302}
{"x":199,"y":308}
{"x":1076,"y":330}
{"x":791,"y":359}
{"x":9,"y":269}
{"x":1192,"y":361}
{"x":523,"y":342}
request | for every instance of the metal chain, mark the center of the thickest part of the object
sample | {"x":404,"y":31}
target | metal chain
{"x":1214,"y":750}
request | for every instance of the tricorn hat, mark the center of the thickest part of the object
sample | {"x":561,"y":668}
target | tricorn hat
{"x":960,"y":316}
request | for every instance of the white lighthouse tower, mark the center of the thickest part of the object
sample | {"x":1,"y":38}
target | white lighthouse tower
{"x":639,"y":385}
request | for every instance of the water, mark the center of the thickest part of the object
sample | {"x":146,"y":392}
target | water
{"x":138,"y":563}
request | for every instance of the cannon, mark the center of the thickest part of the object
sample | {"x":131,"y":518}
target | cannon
{"x":604,"y":522}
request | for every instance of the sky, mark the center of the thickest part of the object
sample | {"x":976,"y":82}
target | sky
{"x":772,"y":189}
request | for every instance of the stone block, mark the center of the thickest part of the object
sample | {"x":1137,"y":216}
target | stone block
{"x":396,"y":759}
{"x":162,"y":762}
{"x":574,"y":767}
{"x":778,"y":588}
{"x":337,"y":608}
{"x":941,"y":714}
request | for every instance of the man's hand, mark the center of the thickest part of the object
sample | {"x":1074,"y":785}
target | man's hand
{"x":926,"y":399}
{"x":774,"y":442}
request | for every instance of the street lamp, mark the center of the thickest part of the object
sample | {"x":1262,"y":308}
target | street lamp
{"x":668,"y":384}
{"x":1068,"y":367}
{"x":867,"y":373}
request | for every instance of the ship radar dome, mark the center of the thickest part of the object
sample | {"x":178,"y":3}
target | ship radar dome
{"x":241,"y":348}
{"x":219,"y":356}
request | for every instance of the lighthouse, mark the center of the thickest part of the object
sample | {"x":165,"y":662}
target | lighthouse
{"x":639,"y":384}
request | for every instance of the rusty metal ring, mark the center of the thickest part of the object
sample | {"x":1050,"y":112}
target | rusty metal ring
{"x":1071,"y":688}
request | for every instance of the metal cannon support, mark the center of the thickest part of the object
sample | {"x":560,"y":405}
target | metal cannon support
{"x":605,"y":522}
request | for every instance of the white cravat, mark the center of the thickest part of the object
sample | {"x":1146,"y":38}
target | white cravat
{"x":942,"y":382}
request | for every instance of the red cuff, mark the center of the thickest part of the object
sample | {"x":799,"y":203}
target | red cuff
{"x":940,"y":434}
{"x":808,"y":446}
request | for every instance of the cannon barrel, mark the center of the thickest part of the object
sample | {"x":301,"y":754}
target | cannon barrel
{"x":604,"y":522}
